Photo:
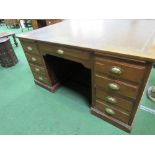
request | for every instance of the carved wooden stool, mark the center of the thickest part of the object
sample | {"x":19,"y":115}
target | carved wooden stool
{"x":7,"y":54}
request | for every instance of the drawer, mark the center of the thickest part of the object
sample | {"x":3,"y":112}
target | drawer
{"x":120,"y":70}
{"x":35,"y":59}
{"x":42,"y":78}
{"x":38,"y":70}
{"x":112,"y":112}
{"x":30,"y":47}
{"x":64,"y":52}
{"x":116,"y":87}
{"x":114,"y":100}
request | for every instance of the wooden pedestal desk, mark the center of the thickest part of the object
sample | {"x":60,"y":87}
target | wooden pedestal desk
{"x":119,"y":53}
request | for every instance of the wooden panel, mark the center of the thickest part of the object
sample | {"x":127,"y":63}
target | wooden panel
{"x":35,"y":59}
{"x":111,"y":120}
{"x":122,"y":116}
{"x":122,"y":103}
{"x":124,"y":88}
{"x":128,"y":70}
{"x":30,"y":47}
{"x":38,"y":70}
{"x":63,"y":51}
{"x":42,"y":78}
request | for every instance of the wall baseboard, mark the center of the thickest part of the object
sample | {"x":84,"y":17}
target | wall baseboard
{"x":152,"y":111}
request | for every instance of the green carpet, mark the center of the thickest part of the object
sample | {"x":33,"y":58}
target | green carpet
{"x":26,"y":108}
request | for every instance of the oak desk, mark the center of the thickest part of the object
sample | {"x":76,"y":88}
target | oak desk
{"x":119,"y":54}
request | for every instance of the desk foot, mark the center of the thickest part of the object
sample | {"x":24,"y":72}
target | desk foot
{"x":49,"y":88}
{"x":15,"y":41}
{"x":113,"y":121}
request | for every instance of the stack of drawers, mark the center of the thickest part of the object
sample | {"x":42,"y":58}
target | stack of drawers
{"x":36,"y":63}
{"x":117,"y":83}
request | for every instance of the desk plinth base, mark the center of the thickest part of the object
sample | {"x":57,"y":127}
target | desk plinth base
{"x":113,"y":121}
{"x":52,"y":88}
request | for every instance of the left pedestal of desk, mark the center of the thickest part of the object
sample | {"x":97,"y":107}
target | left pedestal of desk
{"x":38,"y":66}
{"x":7,"y":55}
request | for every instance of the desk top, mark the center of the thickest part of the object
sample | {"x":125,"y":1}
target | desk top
{"x":5,"y":34}
{"x":135,"y":38}
{"x":2,"y":40}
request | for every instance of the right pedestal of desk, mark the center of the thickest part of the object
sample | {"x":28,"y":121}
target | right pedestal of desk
{"x":119,"y":83}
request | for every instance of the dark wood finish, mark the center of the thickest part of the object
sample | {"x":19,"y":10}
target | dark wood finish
{"x":42,"y":78}
{"x":76,"y":55}
{"x":131,"y":72}
{"x":52,"y":88}
{"x":118,"y":114}
{"x":142,"y":87}
{"x":36,"y":59}
{"x":37,"y":69}
{"x":38,"y":23}
{"x":111,"y":120}
{"x":30,"y":47}
{"x":120,"y":102}
{"x":119,"y":44}
{"x":126,"y":89}
{"x":8,"y":57}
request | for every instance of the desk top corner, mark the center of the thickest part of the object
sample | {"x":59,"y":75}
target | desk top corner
{"x":135,"y":38}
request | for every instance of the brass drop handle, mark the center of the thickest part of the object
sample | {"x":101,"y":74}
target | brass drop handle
{"x":40,"y":78}
{"x":59,"y":51}
{"x":116,"y":70}
{"x":29,"y":48}
{"x":114,"y":86}
{"x":109,"y":111}
{"x":110,"y":99}
{"x":37,"y":69}
{"x":33,"y":59}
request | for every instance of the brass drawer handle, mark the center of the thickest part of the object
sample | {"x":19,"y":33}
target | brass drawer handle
{"x":109,"y":111}
{"x":116,"y":70}
{"x":37,"y":69}
{"x":40,"y":78}
{"x":29,"y":48}
{"x":110,"y":99}
{"x":114,"y":86}
{"x":33,"y":59}
{"x":59,"y":51}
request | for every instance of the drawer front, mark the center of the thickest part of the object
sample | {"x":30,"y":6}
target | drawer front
{"x":42,"y":78}
{"x":63,"y":51}
{"x":38,"y":70}
{"x":120,"y":70}
{"x":110,"y":99}
{"x":35,"y":59}
{"x":112,"y":112}
{"x":30,"y":47}
{"x":116,"y":87}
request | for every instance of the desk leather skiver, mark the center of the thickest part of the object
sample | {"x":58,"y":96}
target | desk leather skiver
{"x":119,"y":53}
